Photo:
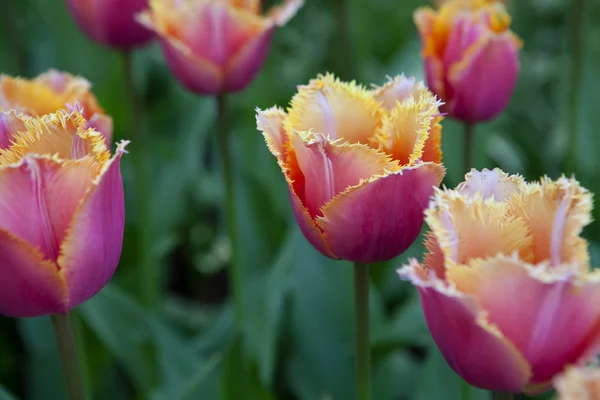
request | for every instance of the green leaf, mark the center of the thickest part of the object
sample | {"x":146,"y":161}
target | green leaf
{"x":5,"y":395}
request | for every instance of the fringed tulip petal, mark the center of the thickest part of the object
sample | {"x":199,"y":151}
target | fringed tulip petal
{"x":338,"y":110}
{"x":10,"y":124}
{"x":473,"y":346}
{"x":30,"y":286}
{"x":555,"y":303}
{"x":270,"y":122}
{"x":578,"y":383}
{"x":376,"y":220}
{"x":495,"y":184}
{"x":99,"y":220}
{"x":309,"y":228}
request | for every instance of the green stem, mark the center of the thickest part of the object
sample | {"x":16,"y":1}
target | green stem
{"x":148,"y":269}
{"x":363,"y":356}
{"x":345,"y":45}
{"x":469,"y":139}
{"x":575,"y":84}
{"x":230,"y":215}
{"x":503,"y":396}
{"x":68,"y":356}
{"x":81,"y":352}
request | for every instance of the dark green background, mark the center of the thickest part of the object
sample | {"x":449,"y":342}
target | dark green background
{"x":298,"y":330}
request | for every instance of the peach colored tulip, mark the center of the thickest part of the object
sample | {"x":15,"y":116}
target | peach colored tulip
{"x":578,"y":383}
{"x":111,"y":22}
{"x":48,"y":93}
{"x":471,"y":57}
{"x":360,"y":164}
{"x":215,"y":46}
{"x":506,"y":287}
{"x":61,"y":213}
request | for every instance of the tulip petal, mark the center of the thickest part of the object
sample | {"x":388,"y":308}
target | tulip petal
{"x":336,"y":109}
{"x":244,"y":65}
{"x":535,"y":307}
{"x":29,"y":285}
{"x":472,"y":346}
{"x":282,"y":13}
{"x":556,"y":213}
{"x":91,"y":250}
{"x":483,"y":81}
{"x":103,"y":124}
{"x":432,"y":149}
{"x":330,"y":168}
{"x":472,"y":228}
{"x":581,"y":383}
{"x":380,"y":218}
{"x":495,"y":184}
{"x":10,"y":124}
{"x":397,"y":90}
{"x":38,"y":198}
{"x":270,"y":123}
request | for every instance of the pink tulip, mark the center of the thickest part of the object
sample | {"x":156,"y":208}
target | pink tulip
{"x":110,"y":22}
{"x":506,"y":286}
{"x":215,"y":46}
{"x":578,"y":383}
{"x":471,"y":57}
{"x":61,"y":213}
{"x":48,"y":93}
{"x":360,"y":164}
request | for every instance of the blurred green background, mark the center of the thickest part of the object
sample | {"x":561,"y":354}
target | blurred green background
{"x":297,"y":335}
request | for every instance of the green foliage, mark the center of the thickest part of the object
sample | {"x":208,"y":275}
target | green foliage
{"x":297,"y":330}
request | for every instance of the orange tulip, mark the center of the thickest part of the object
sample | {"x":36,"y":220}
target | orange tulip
{"x":360,"y":164}
{"x":48,"y":93}
{"x":215,"y":46}
{"x":506,"y":286}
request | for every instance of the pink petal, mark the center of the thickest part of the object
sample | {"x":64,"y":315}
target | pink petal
{"x":494,"y":184}
{"x":551,"y":319}
{"x":111,"y":22}
{"x":381,"y":218}
{"x":465,"y":32}
{"x":245,"y":65}
{"x":270,"y":122}
{"x":483,"y":81}
{"x":90,"y":253}
{"x":29,"y":285}
{"x":38,"y":198}
{"x":9,"y":126}
{"x":103,"y":124}
{"x":476,"y":350}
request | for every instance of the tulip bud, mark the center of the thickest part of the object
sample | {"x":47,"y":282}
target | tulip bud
{"x":470,"y":56}
{"x":506,"y":286}
{"x":48,"y":93}
{"x":61,"y":213}
{"x":214,"y":46}
{"x":111,"y":22}
{"x":360,"y":164}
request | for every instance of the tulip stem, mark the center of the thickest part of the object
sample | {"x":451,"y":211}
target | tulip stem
{"x":469,"y":139}
{"x":230,"y":215}
{"x":503,"y":396}
{"x":575,"y":84}
{"x":148,"y":268}
{"x":68,"y":356}
{"x":363,"y":356}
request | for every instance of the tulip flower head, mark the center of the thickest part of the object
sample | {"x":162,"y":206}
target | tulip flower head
{"x":506,"y":286}
{"x":111,"y":22}
{"x":471,"y":57}
{"x":48,"y":93}
{"x":578,"y":383}
{"x":214,"y":46}
{"x":360,"y":164}
{"x":61,"y":213}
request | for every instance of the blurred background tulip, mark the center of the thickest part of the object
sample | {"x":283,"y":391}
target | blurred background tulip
{"x":48,"y":93}
{"x":61,"y":214}
{"x":215,"y":46}
{"x":505,"y":276}
{"x":111,"y":22}
{"x":578,"y":383}
{"x":360,"y":164}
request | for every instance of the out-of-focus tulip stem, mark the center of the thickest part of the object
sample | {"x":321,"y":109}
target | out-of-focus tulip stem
{"x":230,"y":218}
{"x":148,"y":268}
{"x":469,"y":139}
{"x":503,"y":396}
{"x":575,"y":84}
{"x":363,"y":353}
{"x":68,"y":356}
{"x":81,"y":352}
{"x":345,"y":48}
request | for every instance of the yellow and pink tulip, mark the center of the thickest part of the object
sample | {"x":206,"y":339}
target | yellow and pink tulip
{"x":61,"y":213}
{"x":471,"y":57}
{"x":214,"y":46}
{"x":48,"y":93}
{"x":506,"y":287}
{"x":360,"y":164}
